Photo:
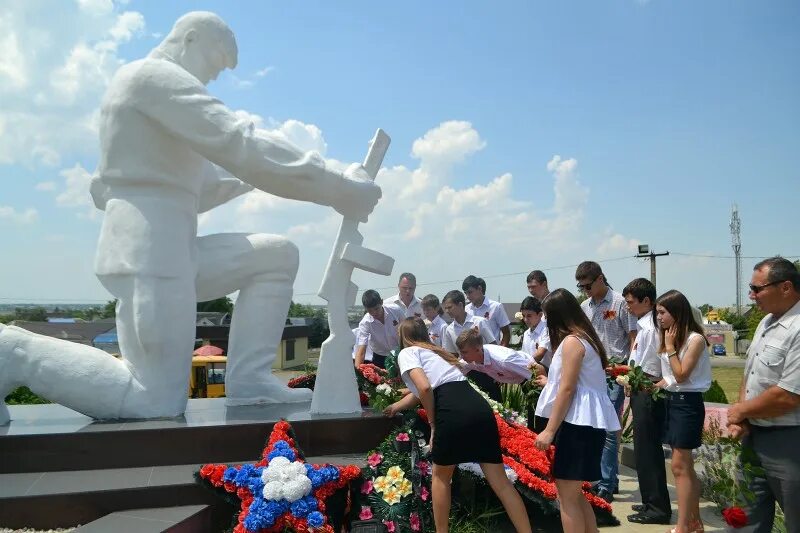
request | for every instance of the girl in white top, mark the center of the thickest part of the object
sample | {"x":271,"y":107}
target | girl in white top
{"x":575,"y":400}
{"x":463,"y":427}
{"x":686,"y":371}
{"x":433,"y":312}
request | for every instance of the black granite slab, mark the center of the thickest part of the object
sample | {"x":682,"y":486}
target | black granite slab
{"x":54,"y":438}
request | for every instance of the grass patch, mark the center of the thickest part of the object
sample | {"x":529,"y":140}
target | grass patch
{"x":730,"y":379}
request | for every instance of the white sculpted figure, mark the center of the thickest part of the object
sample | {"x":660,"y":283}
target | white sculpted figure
{"x":164,"y":144}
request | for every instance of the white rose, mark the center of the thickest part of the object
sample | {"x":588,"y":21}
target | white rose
{"x":518,"y":315}
{"x":622,"y":380}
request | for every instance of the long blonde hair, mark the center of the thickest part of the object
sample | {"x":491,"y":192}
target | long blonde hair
{"x":412,"y":332}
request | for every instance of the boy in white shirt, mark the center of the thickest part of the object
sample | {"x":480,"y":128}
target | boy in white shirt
{"x":648,"y":414}
{"x":453,"y":304}
{"x":502,"y":364}
{"x":433,"y":313}
{"x":535,"y":340}
{"x":479,"y":305}
{"x":378,"y":329}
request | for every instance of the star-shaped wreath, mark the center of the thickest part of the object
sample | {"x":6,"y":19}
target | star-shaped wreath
{"x":281,"y":491}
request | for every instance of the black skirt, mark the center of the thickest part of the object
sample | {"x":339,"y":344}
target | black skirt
{"x":685,"y":418}
{"x":579,"y":450}
{"x":466,"y":430}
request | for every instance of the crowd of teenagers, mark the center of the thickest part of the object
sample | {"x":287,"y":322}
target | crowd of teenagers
{"x":566,"y":348}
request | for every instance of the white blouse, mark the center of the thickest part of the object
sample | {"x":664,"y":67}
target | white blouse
{"x":436,"y":330}
{"x":700,"y":378}
{"x":591,"y":405}
{"x":437,"y":370}
{"x":533,"y":339}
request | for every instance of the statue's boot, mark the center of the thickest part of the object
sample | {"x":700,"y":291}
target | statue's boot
{"x":80,"y":377}
{"x":258,"y":321}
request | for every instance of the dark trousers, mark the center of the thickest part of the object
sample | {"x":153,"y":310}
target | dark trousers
{"x":379,"y":360}
{"x":648,"y":426}
{"x":486,"y":384}
{"x":777,"y":451}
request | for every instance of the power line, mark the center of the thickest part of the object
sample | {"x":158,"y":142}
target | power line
{"x":490,"y":276}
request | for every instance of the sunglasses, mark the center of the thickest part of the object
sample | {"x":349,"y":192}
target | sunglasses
{"x":755,"y":289}
{"x":587,"y":286}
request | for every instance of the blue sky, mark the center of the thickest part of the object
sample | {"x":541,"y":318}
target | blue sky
{"x":525,"y":135}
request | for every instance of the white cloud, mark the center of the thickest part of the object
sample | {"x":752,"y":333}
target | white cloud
{"x":96,"y":7}
{"x":127,"y":25}
{"x":13,"y":71}
{"x":304,"y":136}
{"x":451,"y":142}
{"x":617,"y":244}
{"x":54,"y":67}
{"x":263,"y":72}
{"x":28,"y":216}
{"x":47,"y":186}
{"x":76,"y":191}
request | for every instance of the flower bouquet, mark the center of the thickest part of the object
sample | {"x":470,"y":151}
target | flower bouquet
{"x":396,"y":487}
{"x":384,"y":396}
{"x":282,"y":492}
{"x":633,"y":378}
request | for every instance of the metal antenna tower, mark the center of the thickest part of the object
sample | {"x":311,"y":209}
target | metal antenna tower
{"x":736,"y":244}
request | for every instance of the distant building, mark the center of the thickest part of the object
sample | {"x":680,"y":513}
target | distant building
{"x":77,"y":332}
{"x":208,"y":318}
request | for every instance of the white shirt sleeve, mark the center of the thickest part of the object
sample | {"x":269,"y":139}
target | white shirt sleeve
{"x":516,"y":364}
{"x":362,"y":338}
{"x":407,"y":360}
{"x":448,"y":343}
{"x":486,"y":332}
{"x":500,"y":317}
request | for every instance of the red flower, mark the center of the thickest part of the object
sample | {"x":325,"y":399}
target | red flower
{"x":610,"y":314}
{"x":617,"y":370}
{"x":423,"y":415}
{"x":735,"y":517}
{"x":362,"y":396}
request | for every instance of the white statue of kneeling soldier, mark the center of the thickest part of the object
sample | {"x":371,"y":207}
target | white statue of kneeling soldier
{"x":164,"y":144}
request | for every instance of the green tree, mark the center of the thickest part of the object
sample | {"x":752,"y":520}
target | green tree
{"x":318,"y":328}
{"x":705,"y":308}
{"x":220,"y":305}
{"x":737,"y":321}
{"x":31,"y":314}
{"x":753,"y":320}
{"x":110,"y":309}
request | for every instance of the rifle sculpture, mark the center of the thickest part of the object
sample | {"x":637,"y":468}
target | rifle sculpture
{"x":336,"y":389}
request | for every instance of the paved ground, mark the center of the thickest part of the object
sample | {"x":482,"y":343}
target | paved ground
{"x":629,"y":495}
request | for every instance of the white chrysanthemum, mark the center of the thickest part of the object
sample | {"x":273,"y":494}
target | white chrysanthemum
{"x":285,"y":480}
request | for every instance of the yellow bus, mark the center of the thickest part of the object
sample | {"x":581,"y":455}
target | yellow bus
{"x":207,"y":379}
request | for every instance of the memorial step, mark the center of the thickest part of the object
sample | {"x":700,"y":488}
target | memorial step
{"x":180,"y":519}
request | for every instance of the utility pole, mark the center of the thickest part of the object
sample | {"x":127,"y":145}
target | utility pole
{"x":736,"y":244}
{"x":645,"y":253}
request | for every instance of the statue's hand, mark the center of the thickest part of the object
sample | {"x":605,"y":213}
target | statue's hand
{"x":358,"y":195}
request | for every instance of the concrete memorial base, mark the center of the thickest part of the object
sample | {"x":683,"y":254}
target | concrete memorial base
{"x":59,"y":468}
